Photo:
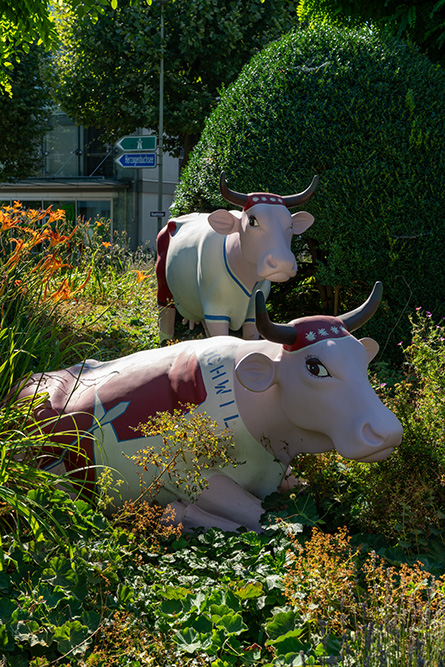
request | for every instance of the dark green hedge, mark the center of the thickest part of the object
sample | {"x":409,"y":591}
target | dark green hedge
{"x":366,"y":113}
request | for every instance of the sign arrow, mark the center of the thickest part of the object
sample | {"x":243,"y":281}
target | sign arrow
{"x":143,"y":142}
{"x":137,"y":160}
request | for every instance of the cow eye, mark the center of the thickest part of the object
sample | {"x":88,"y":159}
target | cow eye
{"x":253,"y":222}
{"x":315,"y":367}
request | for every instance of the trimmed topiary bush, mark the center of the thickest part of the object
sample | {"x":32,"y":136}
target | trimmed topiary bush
{"x":367,"y":113}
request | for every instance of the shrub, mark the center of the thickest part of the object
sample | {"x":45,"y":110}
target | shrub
{"x":366,"y":113}
{"x":395,"y":614}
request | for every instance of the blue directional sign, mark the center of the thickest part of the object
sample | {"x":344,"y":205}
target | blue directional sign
{"x":137,"y":160}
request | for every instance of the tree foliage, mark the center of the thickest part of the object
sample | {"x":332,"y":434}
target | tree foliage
{"x":23,"y":118}
{"x":27,"y":22}
{"x":108,"y":71}
{"x":422,"y":21}
{"x":366,"y":113}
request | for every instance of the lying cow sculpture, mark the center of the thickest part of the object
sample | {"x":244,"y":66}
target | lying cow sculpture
{"x":209,"y":265}
{"x":304,"y":388}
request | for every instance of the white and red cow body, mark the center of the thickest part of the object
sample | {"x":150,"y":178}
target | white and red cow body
{"x":304,"y":389}
{"x":210,"y":265}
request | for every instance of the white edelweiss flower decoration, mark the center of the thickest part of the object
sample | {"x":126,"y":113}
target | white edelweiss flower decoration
{"x":334,"y":330}
{"x":322,"y":332}
{"x":310,"y":336}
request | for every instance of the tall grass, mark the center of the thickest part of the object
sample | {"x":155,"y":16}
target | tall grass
{"x":59,"y":288}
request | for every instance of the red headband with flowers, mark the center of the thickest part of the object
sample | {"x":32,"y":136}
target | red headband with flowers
{"x":312,"y":330}
{"x":263,"y":198}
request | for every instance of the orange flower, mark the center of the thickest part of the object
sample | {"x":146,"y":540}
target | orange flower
{"x":65,"y":290}
{"x":59,"y":214}
{"x":140,"y":275}
{"x":19,"y":250}
{"x":32,"y":213}
{"x":52,"y":263}
{"x":106,"y":244}
{"x":55,"y":238}
{"x":7,"y":222}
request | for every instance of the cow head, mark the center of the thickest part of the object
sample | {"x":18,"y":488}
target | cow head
{"x":265,"y":228}
{"x":318,"y":382}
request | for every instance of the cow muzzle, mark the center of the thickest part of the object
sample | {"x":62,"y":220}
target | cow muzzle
{"x":377,"y":447}
{"x":277,"y":270}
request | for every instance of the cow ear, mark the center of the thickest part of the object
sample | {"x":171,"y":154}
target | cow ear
{"x":256,"y":372}
{"x":301,"y":221}
{"x":224,"y":222}
{"x":372,"y":347}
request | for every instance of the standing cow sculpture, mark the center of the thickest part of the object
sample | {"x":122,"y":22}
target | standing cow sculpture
{"x":209,"y":265}
{"x":304,"y":388}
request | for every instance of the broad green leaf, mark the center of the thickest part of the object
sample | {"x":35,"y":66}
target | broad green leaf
{"x":198,"y":600}
{"x":201,"y":624}
{"x":219,"y":610}
{"x":281,"y":623}
{"x":91,"y":619}
{"x":232,"y":601}
{"x":51,"y":595}
{"x":4,"y":583}
{"x":72,"y":637}
{"x":294,"y":660}
{"x":175,"y":593}
{"x":24,"y":630}
{"x":6,"y":641}
{"x":7,"y":606}
{"x":188,"y":640}
{"x":171,"y":607}
{"x":287,"y":643}
{"x":249,"y":591}
{"x":233,"y":624}
{"x":124,"y":593}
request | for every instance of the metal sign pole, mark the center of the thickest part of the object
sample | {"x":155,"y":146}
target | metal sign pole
{"x":161,"y":116}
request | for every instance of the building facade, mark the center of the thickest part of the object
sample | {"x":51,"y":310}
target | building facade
{"x":79,"y":174}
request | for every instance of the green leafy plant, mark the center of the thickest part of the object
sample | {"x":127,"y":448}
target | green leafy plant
{"x":188,"y":437}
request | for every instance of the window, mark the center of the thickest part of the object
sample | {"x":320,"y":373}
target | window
{"x":73,"y":152}
{"x":68,"y":206}
{"x":91,"y":210}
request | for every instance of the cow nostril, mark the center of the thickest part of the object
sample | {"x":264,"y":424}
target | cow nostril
{"x":371,"y":437}
{"x":270,"y":261}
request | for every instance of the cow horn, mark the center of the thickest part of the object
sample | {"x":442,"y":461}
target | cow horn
{"x":358,"y":317}
{"x":231,"y":196}
{"x":302,"y":197}
{"x":276,"y":333}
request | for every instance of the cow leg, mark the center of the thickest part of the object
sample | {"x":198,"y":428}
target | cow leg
{"x":223,"y":504}
{"x":216,"y":328}
{"x":250,"y":332}
{"x":191,"y":517}
{"x":166,"y":321}
{"x":289,"y":481}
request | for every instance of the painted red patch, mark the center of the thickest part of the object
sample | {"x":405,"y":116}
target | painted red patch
{"x":149,"y":392}
{"x":164,"y":296}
